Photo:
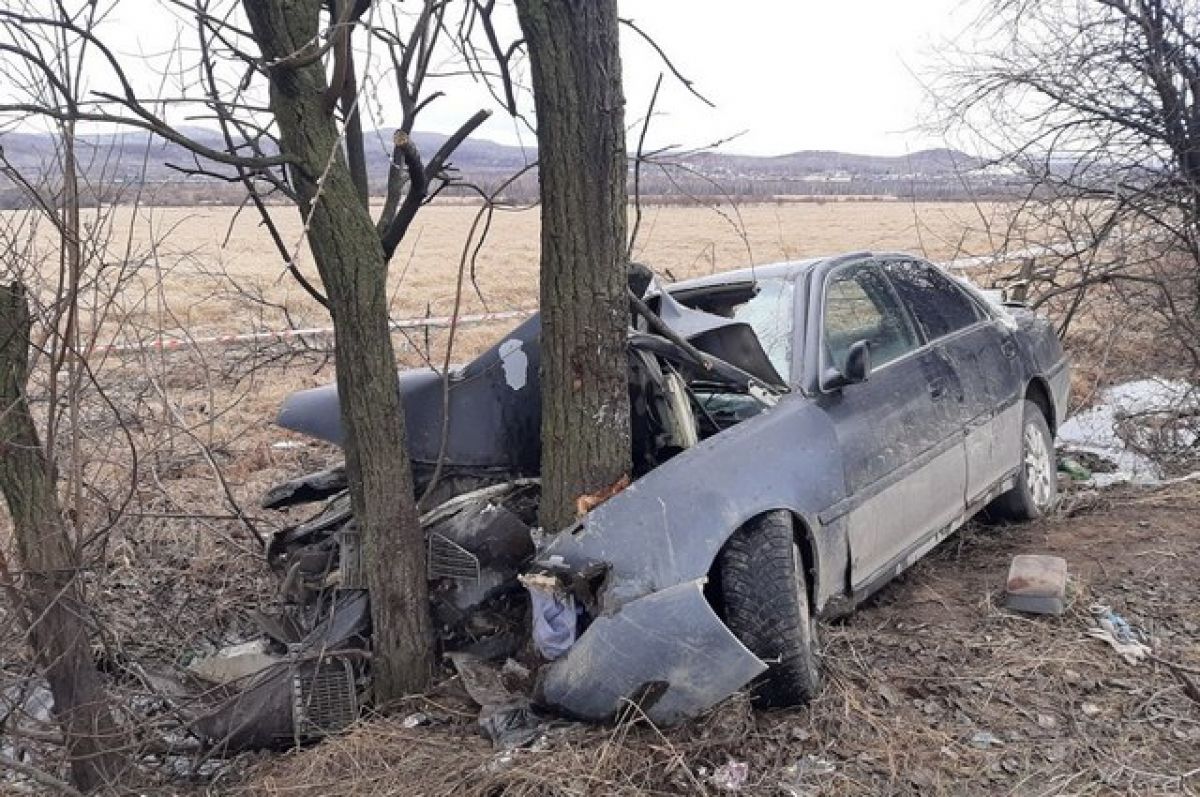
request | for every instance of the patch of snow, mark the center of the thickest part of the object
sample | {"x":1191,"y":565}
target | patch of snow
{"x":1095,"y":430}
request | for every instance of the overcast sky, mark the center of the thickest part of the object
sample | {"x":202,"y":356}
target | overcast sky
{"x":793,"y":74}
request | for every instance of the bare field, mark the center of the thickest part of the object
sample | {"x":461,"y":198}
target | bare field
{"x":198,"y":263}
{"x":196,"y":273}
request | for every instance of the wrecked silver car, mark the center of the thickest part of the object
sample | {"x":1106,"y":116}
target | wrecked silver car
{"x":803,"y":432}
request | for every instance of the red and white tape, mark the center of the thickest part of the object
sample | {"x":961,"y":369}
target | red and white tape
{"x":164,"y":343}
{"x":179,"y":344}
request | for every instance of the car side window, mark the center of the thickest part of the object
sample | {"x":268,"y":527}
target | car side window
{"x":932,"y":298}
{"x":860,"y":305}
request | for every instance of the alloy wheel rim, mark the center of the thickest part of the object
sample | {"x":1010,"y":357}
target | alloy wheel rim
{"x":1038,"y":473}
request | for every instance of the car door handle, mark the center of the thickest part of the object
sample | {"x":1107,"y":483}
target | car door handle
{"x":937,"y":389}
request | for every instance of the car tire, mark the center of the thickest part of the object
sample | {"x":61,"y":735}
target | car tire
{"x":1036,"y":490}
{"x":765,"y":599}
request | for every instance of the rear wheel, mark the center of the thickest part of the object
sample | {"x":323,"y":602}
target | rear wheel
{"x":1036,"y":490}
{"x":765,"y":596}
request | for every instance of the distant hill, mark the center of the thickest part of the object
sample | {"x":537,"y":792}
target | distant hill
{"x":134,"y":157}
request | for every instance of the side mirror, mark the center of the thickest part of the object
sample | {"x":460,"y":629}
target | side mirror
{"x":857,"y":368}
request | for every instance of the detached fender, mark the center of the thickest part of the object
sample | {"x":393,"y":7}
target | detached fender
{"x":668,"y":648}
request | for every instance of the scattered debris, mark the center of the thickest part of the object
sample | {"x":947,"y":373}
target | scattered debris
{"x":730,"y":776}
{"x":234,"y":663}
{"x":416,"y":719}
{"x":312,"y":691}
{"x":985,"y":740}
{"x":308,"y":488}
{"x":1112,"y":628}
{"x":1072,"y":468}
{"x":506,"y":717}
{"x":1037,"y":584}
{"x":809,"y":766}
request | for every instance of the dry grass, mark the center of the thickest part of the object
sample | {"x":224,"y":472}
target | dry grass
{"x":203,"y":256}
{"x":912,"y":679}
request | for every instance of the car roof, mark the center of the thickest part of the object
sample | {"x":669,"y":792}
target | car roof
{"x":788,"y":270}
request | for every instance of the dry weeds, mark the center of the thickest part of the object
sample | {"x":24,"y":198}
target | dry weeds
{"x":913,"y":677}
{"x":933,"y":689}
{"x":203,"y":256}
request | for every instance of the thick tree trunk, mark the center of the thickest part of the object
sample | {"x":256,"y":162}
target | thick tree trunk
{"x":576,"y":70}
{"x":52,"y":599}
{"x":353,"y":268}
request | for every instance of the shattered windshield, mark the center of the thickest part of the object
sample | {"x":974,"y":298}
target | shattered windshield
{"x":769,"y":314}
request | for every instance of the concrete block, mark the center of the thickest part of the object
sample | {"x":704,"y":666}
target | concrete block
{"x":1037,"y":584}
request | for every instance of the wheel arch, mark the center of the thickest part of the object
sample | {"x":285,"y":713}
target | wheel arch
{"x":1038,"y":391}
{"x":806,"y":541}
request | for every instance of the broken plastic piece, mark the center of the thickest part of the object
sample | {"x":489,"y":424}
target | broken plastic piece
{"x":505,"y":716}
{"x":448,"y":559}
{"x":307,"y":488}
{"x":234,"y":663}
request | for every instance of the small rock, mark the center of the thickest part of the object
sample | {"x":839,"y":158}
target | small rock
{"x":1055,"y":753}
{"x":985,"y":740}
{"x":1046,"y":721}
{"x":923,"y":779}
{"x":809,"y":765}
{"x":1090,"y":709}
{"x":799,"y":734}
{"x":415,"y":719}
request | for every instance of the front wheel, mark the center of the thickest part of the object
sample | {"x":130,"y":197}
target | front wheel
{"x":764,"y":592}
{"x":1036,"y":490}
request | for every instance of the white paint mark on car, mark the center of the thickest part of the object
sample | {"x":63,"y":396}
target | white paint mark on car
{"x":516,"y":363}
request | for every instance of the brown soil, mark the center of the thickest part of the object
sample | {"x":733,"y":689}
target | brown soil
{"x":933,"y":688}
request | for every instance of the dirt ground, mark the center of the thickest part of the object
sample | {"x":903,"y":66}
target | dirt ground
{"x":933,"y":688}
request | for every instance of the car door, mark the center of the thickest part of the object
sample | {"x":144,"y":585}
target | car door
{"x":902,"y":457}
{"x":982,"y":355}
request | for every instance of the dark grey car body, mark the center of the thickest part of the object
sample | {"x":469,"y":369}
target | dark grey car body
{"x":874,"y":474}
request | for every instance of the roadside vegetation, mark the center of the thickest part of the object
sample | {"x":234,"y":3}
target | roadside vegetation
{"x":144,"y":352}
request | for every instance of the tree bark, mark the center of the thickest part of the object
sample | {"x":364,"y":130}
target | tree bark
{"x":353,"y":268}
{"x":51,"y":595}
{"x":576,"y":70}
